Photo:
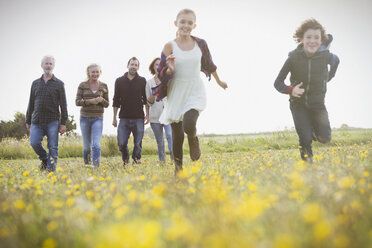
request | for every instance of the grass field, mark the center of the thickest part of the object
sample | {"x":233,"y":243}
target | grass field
{"x":246,"y":191}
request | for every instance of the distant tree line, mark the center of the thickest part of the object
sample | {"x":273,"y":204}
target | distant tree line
{"x":17,"y":128}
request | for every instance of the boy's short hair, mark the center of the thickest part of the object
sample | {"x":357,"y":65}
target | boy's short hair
{"x":151,"y":67}
{"x":309,"y":24}
{"x":133,"y":58}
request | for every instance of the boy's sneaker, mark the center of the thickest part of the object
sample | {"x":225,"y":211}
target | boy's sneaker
{"x":43,"y":165}
{"x":125,"y":163}
{"x":136,"y":161}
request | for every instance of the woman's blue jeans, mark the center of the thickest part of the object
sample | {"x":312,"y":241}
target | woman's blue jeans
{"x":91,"y":129}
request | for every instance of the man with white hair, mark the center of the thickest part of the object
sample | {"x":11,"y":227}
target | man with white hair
{"x":47,"y":114}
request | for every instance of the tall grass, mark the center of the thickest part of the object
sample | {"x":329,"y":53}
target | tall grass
{"x":72,"y":146}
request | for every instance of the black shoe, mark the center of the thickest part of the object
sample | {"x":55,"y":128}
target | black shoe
{"x":136,"y":161}
{"x":125,"y":163}
{"x":43,"y":165}
{"x":194,"y":148}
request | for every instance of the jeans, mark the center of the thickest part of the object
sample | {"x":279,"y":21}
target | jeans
{"x":136,"y":127}
{"x":37,"y":133}
{"x":91,"y":130}
{"x":310,"y":120}
{"x":157,"y":128}
{"x":188,"y":125}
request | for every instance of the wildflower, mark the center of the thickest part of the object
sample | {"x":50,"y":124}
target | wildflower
{"x":19,"y":204}
{"x":312,"y":212}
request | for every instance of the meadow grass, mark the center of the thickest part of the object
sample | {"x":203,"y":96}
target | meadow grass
{"x":246,"y":191}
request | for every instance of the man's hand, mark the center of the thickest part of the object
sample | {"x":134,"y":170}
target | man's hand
{"x":28,"y":127}
{"x":114,"y":122}
{"x":62,"y":129}
{"x":147,"y":120}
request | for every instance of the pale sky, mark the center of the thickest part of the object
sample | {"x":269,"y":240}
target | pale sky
{"x":249,"y":42}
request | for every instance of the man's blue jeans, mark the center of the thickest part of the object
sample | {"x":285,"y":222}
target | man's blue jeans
{"x":157,"y":128}
{"x":125,"y":128}
{"x":91,"y":130}
{"x":37,"y":133}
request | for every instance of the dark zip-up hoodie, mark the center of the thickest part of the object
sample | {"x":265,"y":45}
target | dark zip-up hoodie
{"x":311,"y":71}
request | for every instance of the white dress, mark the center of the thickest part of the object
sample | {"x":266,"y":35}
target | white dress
{"x":186,"y":89}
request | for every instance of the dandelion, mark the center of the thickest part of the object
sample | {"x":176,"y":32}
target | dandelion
{"x":284,"y":241}
{"x":19,"y":204}
{"x":322,"y":230}
{"x":52,"y":226}
{"x":311,"y":212}
{"x":49,"y":243}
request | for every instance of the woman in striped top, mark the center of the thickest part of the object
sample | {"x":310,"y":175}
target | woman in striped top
{"x":92,"y":96}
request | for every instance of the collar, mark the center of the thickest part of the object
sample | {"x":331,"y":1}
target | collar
{"x":126,"y":76}
{"x":53,"y":78}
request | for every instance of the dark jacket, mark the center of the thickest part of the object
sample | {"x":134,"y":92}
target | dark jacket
{"x":311,"y":71}
{"x":130,"y":96}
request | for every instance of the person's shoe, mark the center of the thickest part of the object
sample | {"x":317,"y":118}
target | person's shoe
{"x":125,"y":163}
{"x":89,"y":166}
{"x":177,"y":168}
{"x":43,"y":165}
{"x":136,"y":161}
{"x":194,"y":148}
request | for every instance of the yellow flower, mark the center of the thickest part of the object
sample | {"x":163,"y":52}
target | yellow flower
{"x":52,"y":226}
{"x":284,"y":241}
{"x":89,"y":194}
{"x":251,"y":186}
{"x":49,"y":243}
{"x":322,"y":230}
{"x":26,"y":173}
{"x":341,"y":241}
{"x":312,"y":212}
{"x":19,"y":204}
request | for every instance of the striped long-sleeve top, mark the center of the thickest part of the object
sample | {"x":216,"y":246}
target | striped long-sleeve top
{"x":84,"y":93}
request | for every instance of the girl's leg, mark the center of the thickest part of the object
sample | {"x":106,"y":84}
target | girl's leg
{"x":189,"y":125}
{"x":303,"y":125}
{"x":177,"y":138}
{"x":320,"y":121}
{"x":168,"y":135}
{"x":157,"y":128}
{"x":97,"y":127}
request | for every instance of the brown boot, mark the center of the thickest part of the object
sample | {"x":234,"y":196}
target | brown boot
{"x":194,"y":148}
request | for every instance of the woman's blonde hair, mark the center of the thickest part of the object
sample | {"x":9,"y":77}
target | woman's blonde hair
{"x":91,"y":66}
{"x":185,"y":12}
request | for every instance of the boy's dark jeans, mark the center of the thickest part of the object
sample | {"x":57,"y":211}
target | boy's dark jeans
{"x":310,"y":119}
{"x":188,"y":125}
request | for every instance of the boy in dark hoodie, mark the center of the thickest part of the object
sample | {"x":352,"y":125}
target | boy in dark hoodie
{"x":308,"y":65}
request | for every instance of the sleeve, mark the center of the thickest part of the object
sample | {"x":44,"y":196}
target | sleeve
{"x":160,"y":91}
{"x":105,"y":103}
{"x":116,"y":100}
{"x":30,"y":108}
{"x":279,"y":81}
{"x":79,"y":100}
{"x":144,"y":98}
{"x":333,"y":62}
{"x":148,"y":92}
{"x":63,"y":104}
{"x":208,"y":67}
